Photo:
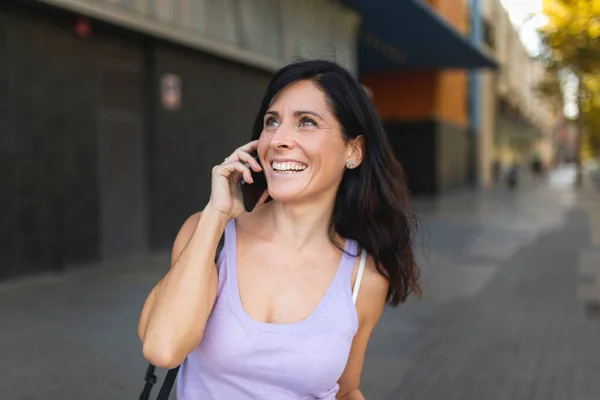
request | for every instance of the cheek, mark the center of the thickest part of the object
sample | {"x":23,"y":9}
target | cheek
{"x":263,"y":145}
{"x":329,"y":162}
{"x":331,"y":154}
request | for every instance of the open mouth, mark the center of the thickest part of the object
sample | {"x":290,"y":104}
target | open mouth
{"x":288,"y":167}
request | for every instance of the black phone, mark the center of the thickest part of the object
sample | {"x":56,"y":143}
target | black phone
{"x":251,"y":192}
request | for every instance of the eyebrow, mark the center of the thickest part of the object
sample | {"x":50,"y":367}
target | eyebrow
{"x":296,"y":113}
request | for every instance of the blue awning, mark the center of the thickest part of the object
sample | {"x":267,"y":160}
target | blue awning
{"x":408,"y":34}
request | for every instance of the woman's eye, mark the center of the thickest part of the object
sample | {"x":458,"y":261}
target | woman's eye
{"x":305,"y":121}
{"x":271,"y":121}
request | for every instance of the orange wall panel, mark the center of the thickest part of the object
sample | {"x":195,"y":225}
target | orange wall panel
{"x":425,"y":94}
{"x":451,"y":86}
{"x":403,"y":95}
{"x":420,"y":95}
{"x":451,"y":101}
{"x":454,"y":11}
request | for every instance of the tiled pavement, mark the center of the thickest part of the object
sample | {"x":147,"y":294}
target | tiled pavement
{"x":506,"y":279}
{"x":502,"y":316}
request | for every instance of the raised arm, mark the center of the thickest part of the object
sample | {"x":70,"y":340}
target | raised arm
{"x":174,"y":315}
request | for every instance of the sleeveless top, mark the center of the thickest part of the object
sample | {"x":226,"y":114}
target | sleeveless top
{"x":241,"y":358}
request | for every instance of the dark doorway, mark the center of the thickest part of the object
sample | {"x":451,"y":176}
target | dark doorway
{"x":121,"y":156}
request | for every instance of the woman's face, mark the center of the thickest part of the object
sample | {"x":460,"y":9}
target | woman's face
{"x":301,"y":146}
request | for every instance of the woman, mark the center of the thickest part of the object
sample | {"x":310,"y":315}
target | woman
{"x":287,"y":311}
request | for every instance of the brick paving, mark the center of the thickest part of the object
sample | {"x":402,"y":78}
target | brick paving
{"x":506,"y":279}
{"x":513,"y":325}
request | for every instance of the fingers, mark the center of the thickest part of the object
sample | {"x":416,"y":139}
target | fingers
{"x":242,"y":153}
{"x":249,"y":147}
{"x":243,"y":156}
{"x":229,"y":168}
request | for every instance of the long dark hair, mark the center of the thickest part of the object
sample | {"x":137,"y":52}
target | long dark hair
{"x":371,"y":204}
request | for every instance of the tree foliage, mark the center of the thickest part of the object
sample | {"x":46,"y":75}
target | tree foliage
{"x":572,"y":40}
{"x":550,"y":88}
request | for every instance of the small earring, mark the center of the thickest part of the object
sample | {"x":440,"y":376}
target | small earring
{"x":349,"y":164}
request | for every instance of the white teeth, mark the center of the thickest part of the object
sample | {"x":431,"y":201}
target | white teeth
{"x":288,"y":166}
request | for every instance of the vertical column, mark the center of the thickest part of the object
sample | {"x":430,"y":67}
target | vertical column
{"x":475,"y":100}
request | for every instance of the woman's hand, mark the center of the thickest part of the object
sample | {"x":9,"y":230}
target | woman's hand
{"x":225,"y":196}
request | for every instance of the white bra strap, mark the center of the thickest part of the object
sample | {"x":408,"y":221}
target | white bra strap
{"x":361,"y":269}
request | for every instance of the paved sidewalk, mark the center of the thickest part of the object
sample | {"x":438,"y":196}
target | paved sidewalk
{"x":507,"y":278}
{"x":502,"y":317}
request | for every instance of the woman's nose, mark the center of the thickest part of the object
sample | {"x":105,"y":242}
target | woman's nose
{"x":283,"y":138}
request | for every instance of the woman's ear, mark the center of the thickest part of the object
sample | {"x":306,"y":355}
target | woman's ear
{"x":356,"y":151}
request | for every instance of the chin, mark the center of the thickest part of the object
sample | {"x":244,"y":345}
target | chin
{"x":284,"y":196}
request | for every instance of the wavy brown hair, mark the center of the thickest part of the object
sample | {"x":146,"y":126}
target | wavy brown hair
{"x":371,"y":205}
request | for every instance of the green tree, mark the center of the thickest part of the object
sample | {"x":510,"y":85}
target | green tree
{"x":571,"y":39}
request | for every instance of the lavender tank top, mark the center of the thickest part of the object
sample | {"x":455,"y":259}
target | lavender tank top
{"x":241,"y":358}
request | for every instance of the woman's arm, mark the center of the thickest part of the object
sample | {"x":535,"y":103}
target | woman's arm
{"x":174,"y":315}
{"x":369,"y":306}
{"x":353,"y":395}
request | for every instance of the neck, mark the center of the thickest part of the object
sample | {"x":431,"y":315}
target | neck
{"x":301,"y":224}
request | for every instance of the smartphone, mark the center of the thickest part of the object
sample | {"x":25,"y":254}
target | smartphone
{"x":251,"y":192}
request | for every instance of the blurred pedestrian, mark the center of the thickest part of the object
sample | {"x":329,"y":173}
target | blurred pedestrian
{"x":288,"y":309}
{"x":496,"y":170}
{"x":512,"y":177}
{"x":536,"y":166}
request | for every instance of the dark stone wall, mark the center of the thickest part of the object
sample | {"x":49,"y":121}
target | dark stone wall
{"x":434,"y":154}
{"x":453,"y":156}
{"x":91,"y":165}
{"x":414,"y":144}
{"x":48,"y":148}
{"x":218,"y":106}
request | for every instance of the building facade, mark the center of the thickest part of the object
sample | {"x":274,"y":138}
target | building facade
{"x":112,"y":112}
{"x":421,"y":89}
{"x":515,"y":122}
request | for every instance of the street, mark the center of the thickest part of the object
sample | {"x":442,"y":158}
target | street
{"x":510,"y":310}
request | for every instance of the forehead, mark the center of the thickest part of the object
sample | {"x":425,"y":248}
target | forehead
{"x":304,"y":95}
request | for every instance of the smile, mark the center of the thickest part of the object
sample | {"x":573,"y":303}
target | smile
{"x":288,"y":167}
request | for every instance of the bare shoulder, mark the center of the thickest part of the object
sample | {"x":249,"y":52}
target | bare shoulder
{"x":372,"y":294}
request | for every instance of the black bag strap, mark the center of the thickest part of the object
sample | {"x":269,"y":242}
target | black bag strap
{"x":167,"y":386}
{"x":150,"y":379}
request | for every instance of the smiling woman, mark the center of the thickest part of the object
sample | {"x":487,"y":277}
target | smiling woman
{"x":300,"y":133}
{"x":280,"y":316}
